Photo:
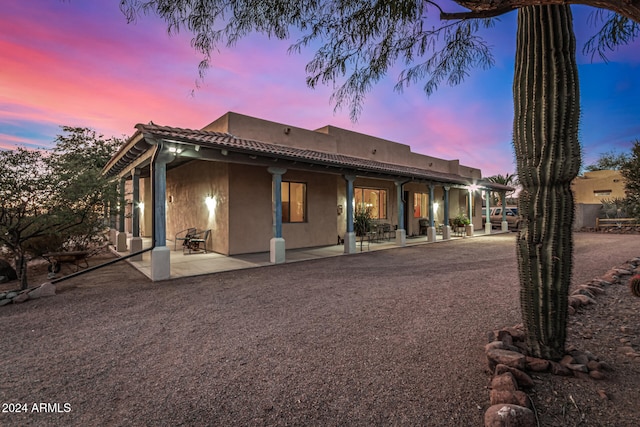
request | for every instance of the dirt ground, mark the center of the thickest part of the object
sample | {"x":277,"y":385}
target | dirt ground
{"x":392,"y":337}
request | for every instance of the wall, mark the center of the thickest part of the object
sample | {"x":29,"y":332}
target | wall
{"x":251,"y":216}
{"x":188,"y":185}
{"x":584,"y":187}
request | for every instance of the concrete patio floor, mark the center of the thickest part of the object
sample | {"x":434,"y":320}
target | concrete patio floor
{"x":195,"y":264}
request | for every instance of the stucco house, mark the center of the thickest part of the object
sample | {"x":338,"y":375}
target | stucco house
{"x":590,"y":189}
{"x":260,"y":186}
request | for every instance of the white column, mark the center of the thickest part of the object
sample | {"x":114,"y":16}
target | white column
{"x":136,"y":240}
{"x":401,"y":232}
{"x":277,"y":248}
{"x":350,"y":237}
{"x":487,"y":223}
{"x":161,"y":254}
{"x":121,"y":237}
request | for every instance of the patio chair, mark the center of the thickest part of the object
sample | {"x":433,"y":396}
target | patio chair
{"x":424,"y":225}
{"x":189,"y":232}
{"x":198,"y":242}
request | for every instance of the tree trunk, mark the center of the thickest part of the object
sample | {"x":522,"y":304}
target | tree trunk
{"x":547,"y":109}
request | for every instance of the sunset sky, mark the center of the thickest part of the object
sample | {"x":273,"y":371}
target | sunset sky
{"x":79,"y":63}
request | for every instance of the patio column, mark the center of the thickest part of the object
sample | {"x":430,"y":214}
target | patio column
{"x":401,"y":232}
{"x":277,"y":244}
{"x":431,"y":231}
{"x":136,"y":240}
{"x":446,"y":229}
{"x":505,"y":224}
{"x":487,"y":223}
{"x":350,"y":237}
{"x":160,"y":255}
{"x":121,"y":238}
{"x":470,"y":226}
{"x":113,"y":226}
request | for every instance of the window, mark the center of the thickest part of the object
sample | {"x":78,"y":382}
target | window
{"x":294,"y":202}
{"x":374,"y":199}
{"x":420,"y":205}
{"x":602,"y":193}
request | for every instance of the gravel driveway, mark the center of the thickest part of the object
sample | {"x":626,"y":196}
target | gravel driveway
{"x":390,"y":337}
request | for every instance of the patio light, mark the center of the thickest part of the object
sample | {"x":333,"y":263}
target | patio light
{"x":211,"y":203}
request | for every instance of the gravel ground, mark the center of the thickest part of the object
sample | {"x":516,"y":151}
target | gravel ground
{"x":392,"y":337}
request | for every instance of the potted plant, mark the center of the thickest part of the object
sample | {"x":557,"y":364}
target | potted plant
{"x":362,"y":221}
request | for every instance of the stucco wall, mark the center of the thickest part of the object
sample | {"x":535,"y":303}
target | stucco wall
{"x":251,"y":223}
{"x":585,"y":187}
{"x":187,"y":189}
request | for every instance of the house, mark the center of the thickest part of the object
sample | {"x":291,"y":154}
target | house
{"x":261,"y":186}
{"x":590,"y":189}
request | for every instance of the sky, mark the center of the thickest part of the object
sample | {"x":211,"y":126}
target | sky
{"x":79,"y":63}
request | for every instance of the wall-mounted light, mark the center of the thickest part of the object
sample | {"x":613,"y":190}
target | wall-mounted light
{"x":339,"y":209}
{"x":210,"y":201}
{"x":287,"y":130}
{"x":436,"y":205}
{"x":472,"y":187}
{"x":175,"y":150}
{"x":141,"y":207}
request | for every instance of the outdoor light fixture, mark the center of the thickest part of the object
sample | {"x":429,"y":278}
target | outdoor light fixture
{"x":210,"y":202}
{"x":473,"y":187}
{"x":141,"y":207}
{"x":175,"y":150}
{"x":436,"y":205}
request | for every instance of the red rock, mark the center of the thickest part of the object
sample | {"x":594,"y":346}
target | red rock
{"x":509,"y":415}
{"x":603,"y":394}
{"x":558,"y":369}
{"x":522,"y":378}
{"x":522,"y":398}
{"x":497,"y":397}
{"x":567,"y":360}
{"x":506,"y":357}
{"x":596,"y":375}
{"x":504,"y":382}
{"x":536,"y":365}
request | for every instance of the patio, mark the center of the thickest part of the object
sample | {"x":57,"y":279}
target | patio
{"x":195,"y":264}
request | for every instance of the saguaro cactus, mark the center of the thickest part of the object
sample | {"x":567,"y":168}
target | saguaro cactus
{"x":547,"y":109}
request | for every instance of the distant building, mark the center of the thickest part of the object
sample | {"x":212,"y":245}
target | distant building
{"x":259,"y":186}
{"x":590,"y":190}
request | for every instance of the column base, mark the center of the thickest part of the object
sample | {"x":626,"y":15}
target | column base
{"x":431,"y":234}
{"x":350,"y":243}
{"x":160,"y":263}
{"x":136,"y":245}
{"x":504,"y":226}
{"x":401,"y":237}
{"x":469,"y":230}
{"x":277,"y":250}
{"x":121,"y":242}
{"x":113,"y":236}
{"x":487,"y":228}
{"x":446,"y":232}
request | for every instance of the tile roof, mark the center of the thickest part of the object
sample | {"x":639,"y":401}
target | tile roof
{"x":222,"y":140}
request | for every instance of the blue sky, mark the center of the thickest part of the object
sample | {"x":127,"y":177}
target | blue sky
{"x":79,"y":63}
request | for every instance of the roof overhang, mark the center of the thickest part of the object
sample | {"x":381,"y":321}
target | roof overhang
{"x":185,"y":145}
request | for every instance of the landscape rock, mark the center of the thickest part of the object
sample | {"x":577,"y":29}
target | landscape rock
{"x":497,"y":397}
{"x":597,"y":375}
{"x":509,"y":415}
{"x":505,"y":357}
{"x":522,"y":378}
{"x":47,"y":289}
{"x":5,"y":301}
{"x":578,"y":367}
{"x":11,"y":295}
{"x":20,"y":297}
{"x":504,"y":382}
{"x":558,"y":369}
{"x":536,"y":365}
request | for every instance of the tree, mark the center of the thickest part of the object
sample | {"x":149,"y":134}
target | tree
{"x":630,"y":170}
{"x":363,"y":40}
{"x":608,"y":161}
{"x":509,"y":179}
{"x":56,"y":199}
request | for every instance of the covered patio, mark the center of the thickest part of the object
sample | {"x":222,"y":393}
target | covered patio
{"x":186,"y":265}
{"x":241,"y":190}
